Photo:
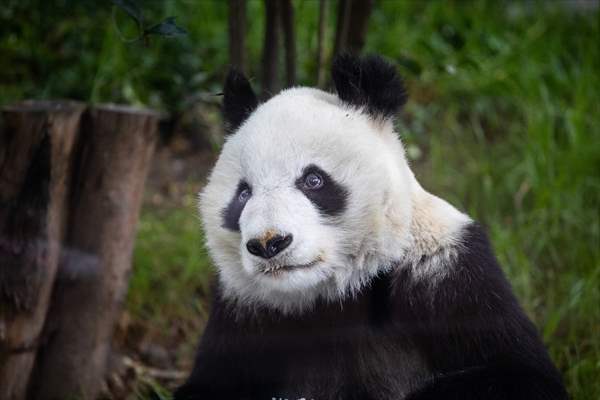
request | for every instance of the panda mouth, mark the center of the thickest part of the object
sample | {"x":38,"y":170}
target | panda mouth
{"x":274,"y":270}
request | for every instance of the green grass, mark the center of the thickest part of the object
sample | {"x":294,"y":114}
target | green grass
{"x":171,"y":274}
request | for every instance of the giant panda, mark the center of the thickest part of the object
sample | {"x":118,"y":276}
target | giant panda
{"x":339,"y":276}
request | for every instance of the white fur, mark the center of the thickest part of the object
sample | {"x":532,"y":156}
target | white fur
{"x":389,"y":218}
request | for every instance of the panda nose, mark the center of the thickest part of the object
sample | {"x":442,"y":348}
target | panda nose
{"x":271,"y":248}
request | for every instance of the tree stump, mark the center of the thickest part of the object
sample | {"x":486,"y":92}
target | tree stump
{"x":36,"y":143}
{"x":113,"y":159}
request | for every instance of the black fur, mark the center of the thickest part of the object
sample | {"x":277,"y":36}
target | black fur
{"x":465,"y":337}
{"x":231,"y":214}
{"x":239,"y":100}
{"x":369,"y":82}
{"x":330,"y":199}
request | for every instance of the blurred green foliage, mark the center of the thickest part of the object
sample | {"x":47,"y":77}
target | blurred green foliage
{"x":503,"y":121}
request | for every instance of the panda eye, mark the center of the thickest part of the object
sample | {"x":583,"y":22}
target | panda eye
{"x":244,"y":194}
{"x":313,"y":181}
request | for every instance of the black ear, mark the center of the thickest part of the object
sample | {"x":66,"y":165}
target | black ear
{"x":369,"y":82}
{"x":239,"y":100}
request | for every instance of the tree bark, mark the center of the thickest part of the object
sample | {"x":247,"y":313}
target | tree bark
{"x":360,"y":12}
{"x":36,"y":144}
{"x":321,"y":70}
{"x":270,"y":49}
{"x":352,"y":22}
{"x":237,"y":34}
{"x":113,"y":159}
{"x":342,"y":26}
{"x":289,"y":38}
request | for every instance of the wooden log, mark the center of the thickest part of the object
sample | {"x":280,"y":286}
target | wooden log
{"x":114,"y":156}
{"x":36,"y":144}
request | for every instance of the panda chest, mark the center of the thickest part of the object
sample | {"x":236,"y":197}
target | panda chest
{"x":332,"y":359}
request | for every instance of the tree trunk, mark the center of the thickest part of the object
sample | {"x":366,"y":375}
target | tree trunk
{"x":237,"y":34}
{"x":270,"y":49}
{"x":36,"y":142}
{"x":289,"y":38}
{"x":352,"y":19}
{"x":343,"y":22}
{"x":360,"y":12}
{"x":114,"y":154}
{"x":321,"y":70}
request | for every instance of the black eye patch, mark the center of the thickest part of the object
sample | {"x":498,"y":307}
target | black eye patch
{"x":231,"y":214}
{"x":329,"y":196}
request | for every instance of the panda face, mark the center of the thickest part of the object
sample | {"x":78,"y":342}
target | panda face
{"x":298,"y":202}
{"x":310,"y":198}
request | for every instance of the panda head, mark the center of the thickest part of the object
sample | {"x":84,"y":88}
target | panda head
{"x":311,"y":194}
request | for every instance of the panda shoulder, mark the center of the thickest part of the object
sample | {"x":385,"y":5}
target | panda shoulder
{"x":460,"y":271}
{"x":449,"y":251}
